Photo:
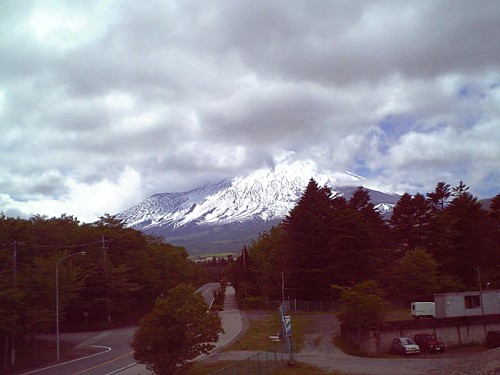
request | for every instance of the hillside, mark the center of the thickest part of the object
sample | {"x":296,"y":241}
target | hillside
{"x":221,"y":216}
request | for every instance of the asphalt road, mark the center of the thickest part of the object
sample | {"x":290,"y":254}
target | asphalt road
{"x":110,"y":351}
{"x":207,"y":292}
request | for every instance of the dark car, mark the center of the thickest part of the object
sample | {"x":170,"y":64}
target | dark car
{"x":404,"y":345}
{"x":493,"y":339}
{"x":428,"y":342}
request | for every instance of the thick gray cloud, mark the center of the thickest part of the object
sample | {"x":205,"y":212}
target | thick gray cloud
{"x":103,"y":103}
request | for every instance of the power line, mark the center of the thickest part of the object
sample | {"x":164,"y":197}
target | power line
{"x":99,"y":242}
{"x":74,"y":246}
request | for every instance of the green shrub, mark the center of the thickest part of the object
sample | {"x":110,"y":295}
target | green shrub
{"x":216,"y":307}
{"x":255,"y":303}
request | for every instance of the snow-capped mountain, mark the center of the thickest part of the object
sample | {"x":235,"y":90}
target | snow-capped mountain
{"x":258,"y":200}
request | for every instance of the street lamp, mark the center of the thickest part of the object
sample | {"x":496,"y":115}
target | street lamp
{"x":57,"y":297}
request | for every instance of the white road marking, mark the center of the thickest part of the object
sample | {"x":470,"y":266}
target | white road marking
{"x":108,"y":349}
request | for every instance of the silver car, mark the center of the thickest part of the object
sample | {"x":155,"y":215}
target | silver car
{"x":404,"y":345}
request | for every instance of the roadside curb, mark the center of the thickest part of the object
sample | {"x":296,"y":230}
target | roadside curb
{"x":240,"y":334}
{"x":93,"y":339}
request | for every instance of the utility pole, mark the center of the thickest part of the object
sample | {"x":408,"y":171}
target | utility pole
{"x":286,"y":322}
{"x":282,"y":287}
{"x":479,"y":278}
{"x":14,"y":262}
{"x":245,"y":269}
{"x":106,"y":278}
{"x":14,"y":266}
{"x":15,"y":244}
{"x":480,"y":291}
{"x":217,"y":269}
{"x":57,"y":298}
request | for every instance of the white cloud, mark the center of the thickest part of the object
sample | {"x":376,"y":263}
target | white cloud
{"x":61,"y":25}
{"x":84,"y":201}
{"x":187,"y":92}
{"x":445,"y":154}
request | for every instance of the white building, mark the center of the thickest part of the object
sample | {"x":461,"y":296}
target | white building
{"x":485,"y":302}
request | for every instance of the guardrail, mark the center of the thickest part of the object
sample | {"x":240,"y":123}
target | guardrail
{"x":300,"y":305}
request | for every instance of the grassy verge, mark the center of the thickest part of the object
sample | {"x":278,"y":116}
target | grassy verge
{"x":298,"y":369}
{"x":302,"y":368}
{"x":257,"y":339}
{"x":259,"y":330}
{"x":257,"y":336}
{"x":201,"y":368}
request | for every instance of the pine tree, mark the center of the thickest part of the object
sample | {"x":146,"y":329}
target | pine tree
{"x":309,"y":259}
{"x":438,"y":241}
{"x":468,"y":242}
{"x":366,"y":230}
{"x":439,"y":198}
{"x":402,"y":221}
{"x":491,"y":273}
{"x":459,"y":190}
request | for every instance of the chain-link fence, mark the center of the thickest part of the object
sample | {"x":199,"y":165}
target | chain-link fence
{"x":263,"y":363}
{"x":308,"y":306}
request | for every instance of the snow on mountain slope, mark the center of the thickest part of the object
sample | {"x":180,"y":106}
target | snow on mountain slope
{"x":265,"y":194}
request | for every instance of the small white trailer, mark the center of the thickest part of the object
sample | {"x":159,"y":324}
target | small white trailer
{"x":423,"y":310}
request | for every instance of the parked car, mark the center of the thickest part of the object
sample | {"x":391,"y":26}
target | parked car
{"x":428,"y":342}
{"x":404,"y":345}
{"x":493,"y":339}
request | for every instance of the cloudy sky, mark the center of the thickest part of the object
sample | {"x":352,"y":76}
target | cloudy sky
{"x":104,"y":103}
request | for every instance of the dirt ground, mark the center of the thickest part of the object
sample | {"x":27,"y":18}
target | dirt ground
{"x":318,"y":350}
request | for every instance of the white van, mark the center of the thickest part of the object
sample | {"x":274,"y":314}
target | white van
{"x":423,"y":310}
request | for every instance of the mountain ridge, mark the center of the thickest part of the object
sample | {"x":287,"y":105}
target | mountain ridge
{"x":220,"y":216}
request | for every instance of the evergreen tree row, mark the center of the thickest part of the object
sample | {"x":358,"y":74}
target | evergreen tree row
{"x":444,"y":241}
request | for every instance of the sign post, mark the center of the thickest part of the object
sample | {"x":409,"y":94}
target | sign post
{"x":286,"y":324}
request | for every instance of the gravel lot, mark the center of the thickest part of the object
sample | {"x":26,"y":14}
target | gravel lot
{"x":487,"y":363}
{"x":319,"y":351}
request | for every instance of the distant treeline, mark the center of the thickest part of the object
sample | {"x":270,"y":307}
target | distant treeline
{"x":442,"y":241}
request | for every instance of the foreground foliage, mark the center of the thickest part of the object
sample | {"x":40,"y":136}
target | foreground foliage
{"x":116,"y":282}
{"x":363,"y":305}
{"x":176,"y":331}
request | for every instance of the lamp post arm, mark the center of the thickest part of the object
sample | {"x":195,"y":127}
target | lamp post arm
{"x":57,"y":298}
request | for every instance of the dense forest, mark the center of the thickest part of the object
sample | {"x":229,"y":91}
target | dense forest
{"x":440,"y":242}
{"x":115,"y":282}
